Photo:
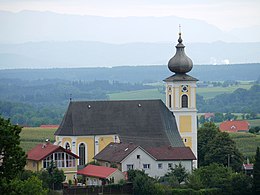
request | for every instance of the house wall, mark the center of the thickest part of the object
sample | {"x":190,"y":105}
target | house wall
{"x":117,"y":175}
{"x":153,"y":171}
{"x":93,"y":144}
{"x":33,"y":165}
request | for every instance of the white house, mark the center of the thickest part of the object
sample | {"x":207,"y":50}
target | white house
{"x":156,"y":161}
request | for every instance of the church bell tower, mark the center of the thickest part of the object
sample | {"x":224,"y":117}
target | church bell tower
{"x":181,"y":96}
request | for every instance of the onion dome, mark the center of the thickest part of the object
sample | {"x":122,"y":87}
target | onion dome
{"x":180,"y":63}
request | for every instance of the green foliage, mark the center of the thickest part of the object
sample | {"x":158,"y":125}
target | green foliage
{"x":52,"y":178}
{"x":256,"y":174}
{"x":31,"y":186}
{"x":220,"y":177}
{"x":254,"y":129}
{"x":176,"y":176}
{"x":217,"y":147}
{"x":12,"y":157}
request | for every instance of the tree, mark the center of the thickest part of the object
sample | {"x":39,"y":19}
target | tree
{"x":177,"y":174}
{"x":206,"y":133}
{"x":12,"y":157}
{"x":218,"y":147}
{"x":222,"y":150}
{"x":256,"y":174}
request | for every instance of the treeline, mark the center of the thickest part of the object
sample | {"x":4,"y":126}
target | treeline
{"x":32,"y":103}
{"x":240,"y":101}
{"x":55,"y":91}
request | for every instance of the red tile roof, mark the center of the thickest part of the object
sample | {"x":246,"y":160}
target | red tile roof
{"x":171,"y":153}
{"x":41,"y":151}
{"x":248,"y":166}
{"x":97,"y":171}
{"x":234,"y":126}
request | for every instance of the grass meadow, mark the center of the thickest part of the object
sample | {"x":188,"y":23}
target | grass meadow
{"x":31,"y":136}
{"x":207,"y":93}
{"x":246,"y":142}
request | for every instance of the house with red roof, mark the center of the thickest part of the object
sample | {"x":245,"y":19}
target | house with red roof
{"x":100,"y":175}
{"x":155,"y":161}
{"x":42,"y":155}
{"x":234,"y":126}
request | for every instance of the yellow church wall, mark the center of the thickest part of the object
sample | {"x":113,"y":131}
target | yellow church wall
{"x":104,"y":141}
{"x":187,"y":141}
{"x":89,"y":141}
{"x":66,"y":139}
{"x":185,"y":124}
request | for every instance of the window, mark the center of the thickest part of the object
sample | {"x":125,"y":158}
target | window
{"x":82,"y":154}
{"x":169,"y":165}
{"x":160,"y":166}
{"x":129,"y":167}
{"x":185,"y":140}
{"x":59,"y":159}
{"x":138,"y":156}
{"x":70,"y":161}
{"x":184,"y":101}
{"x":47,"y":161}
{"x":146,"y":166}
{"x":106,"y":164}
{"x":170,"y":101}
{"x":67,"y":146}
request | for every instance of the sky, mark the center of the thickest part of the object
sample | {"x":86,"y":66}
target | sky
{"x":225,"y":14}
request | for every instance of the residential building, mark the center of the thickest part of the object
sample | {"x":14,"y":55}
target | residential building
{"x":100,"y":175}
{"x":155,"y":161}
{"x":234,"y":126}
{"x":42,"y":155}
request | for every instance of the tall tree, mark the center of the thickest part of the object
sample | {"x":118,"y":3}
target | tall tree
{"x":12,"y":157}
{"x":217,"y":147}
{"x":206,"y":133}
{"x":256,"y":174}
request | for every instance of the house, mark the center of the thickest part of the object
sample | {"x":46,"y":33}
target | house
{"x":42,"y":155}
{"x":100,"y":175}
{"x":248,"y":169}
{"x":209,"y":116}
{"x":89,"y":126}
{"x":234,"y":126}
{"x":155,"y":161}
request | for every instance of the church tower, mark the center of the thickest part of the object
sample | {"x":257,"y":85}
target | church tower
{"x":181,"y":96}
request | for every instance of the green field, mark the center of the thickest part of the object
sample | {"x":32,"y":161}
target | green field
{"x":246,"y":142}
{"x":207,"y":93}
{"x":31,"y":136}
{"x":211,"y":92}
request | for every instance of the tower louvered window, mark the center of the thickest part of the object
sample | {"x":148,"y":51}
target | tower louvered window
{"x":82,"y":154}
{"x":184,"y":101}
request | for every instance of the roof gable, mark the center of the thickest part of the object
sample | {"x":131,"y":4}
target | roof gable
{"x":97,"y":171}
{"x":41,"y":151}
{"x":144,"y":122}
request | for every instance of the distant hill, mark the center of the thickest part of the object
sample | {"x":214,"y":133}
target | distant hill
{"x":137,"y":74}
{"x":97,"y":54}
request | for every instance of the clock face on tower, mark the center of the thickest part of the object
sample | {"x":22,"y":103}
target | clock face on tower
{"x":184,"y":88}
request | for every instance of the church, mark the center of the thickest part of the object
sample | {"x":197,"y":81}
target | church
{"x":89,"y":126}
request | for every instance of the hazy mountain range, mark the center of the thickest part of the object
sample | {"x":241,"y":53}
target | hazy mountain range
{"x":34,"y":39}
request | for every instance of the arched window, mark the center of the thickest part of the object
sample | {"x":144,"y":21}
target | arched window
{"x":67,"y":146}
{"x":170,"y":101}
{"x":82,"y":154}
{"x":184,"y":101}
